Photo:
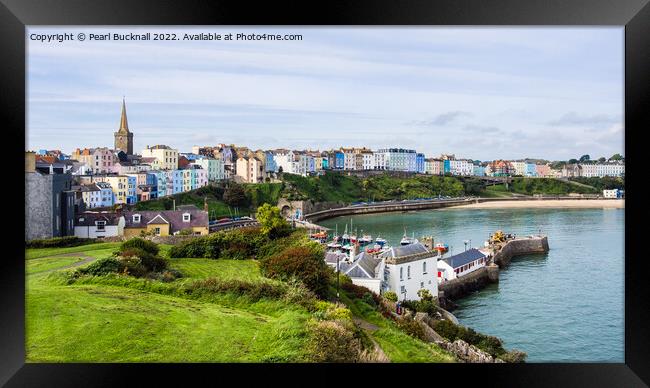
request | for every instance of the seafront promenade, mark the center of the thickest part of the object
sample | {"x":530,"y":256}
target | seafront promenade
{"x":521,"y":202}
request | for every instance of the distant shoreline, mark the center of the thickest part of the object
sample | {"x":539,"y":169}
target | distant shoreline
{"x":548,"y":203}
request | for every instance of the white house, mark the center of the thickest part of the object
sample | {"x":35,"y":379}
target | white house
{"x":408,"y":269}
{"x":615,"y":193}
{"x":462,"y":264}
{"x":98,"y":225}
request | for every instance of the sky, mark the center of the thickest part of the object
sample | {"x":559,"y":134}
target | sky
{"x":480,"y":93}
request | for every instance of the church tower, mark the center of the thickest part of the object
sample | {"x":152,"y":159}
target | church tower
{"x":124,"y":138}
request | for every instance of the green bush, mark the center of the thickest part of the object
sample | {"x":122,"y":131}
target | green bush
{"x":132,"y":265}
{"x":391,"y":296}
{"x":331,"y":341}
{"x":368,"y":299}
{"x":304,"y":263}
{"x":59,"y":242}
{"x":488,"y":344}
{"x":254,"y":291}
{"x":412,"y":328}
{"x":513,"y":356}
{"x":101,"y":267}
{"x":238,"y":244}
{"x":145,"y":245}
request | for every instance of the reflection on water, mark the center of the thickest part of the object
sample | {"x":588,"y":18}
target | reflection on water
{"x":562,"y":306}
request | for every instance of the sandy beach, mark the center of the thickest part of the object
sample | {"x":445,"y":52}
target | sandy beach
{"x":551,"y":203}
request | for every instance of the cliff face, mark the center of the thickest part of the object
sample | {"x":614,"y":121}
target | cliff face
{"x":520,"y":246}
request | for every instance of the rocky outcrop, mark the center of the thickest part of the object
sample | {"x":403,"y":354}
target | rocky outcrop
{"x":469,"y":353}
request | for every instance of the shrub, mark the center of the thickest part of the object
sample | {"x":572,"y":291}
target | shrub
{"x":331,"y":341}
{"x":367,"y":297}
{"x":150,"y":262}
{"x":488,"y":344}
{"x":273,"y":224}
{"x":101,"y":267}
{"x":254,"y":291}
{"x":391,"y":296}
{"x":304,"y":263}
{"x":59,"y":242}
{"x":412,"y":328}
{"x":145,"y":245}
{"x":244,"y":243}
{"x":132,"y":265}
{"x":513,"y":356}
{"x":424,"y":294}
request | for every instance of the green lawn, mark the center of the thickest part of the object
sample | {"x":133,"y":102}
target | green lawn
{"x":246,"y":270}
{"x":92,"y":323}
{"x":122,"y":319}
{"x":35,"y":253}
{"x":46,"y":264}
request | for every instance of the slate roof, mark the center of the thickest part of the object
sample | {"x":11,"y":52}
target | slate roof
{"x":363,"y":267}
{"x":463,"y":258}
{"x":198,"y":218}
{"x":405,"y":250}
{"x":89,"y":218}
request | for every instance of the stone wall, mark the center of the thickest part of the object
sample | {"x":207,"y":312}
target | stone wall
{"x":393,"y":207}
{"x":38,"y":206}
{"x":520,"y":246}
{"x":459,"y":287}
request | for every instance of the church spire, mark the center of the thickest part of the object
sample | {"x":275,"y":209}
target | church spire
{"x":124,"y":125}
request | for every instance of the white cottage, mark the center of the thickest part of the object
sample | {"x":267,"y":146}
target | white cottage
{"x":461,"y":264}
{"x":98,"y":225}
{"x":408,"y":269}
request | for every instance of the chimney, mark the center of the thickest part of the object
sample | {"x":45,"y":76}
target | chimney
{"x":353,"y":251}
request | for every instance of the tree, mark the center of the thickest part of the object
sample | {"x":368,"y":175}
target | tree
{"x":602,"y":159}
{"x":235,"y":195}
{"x":271,"y":221}
{"x":584,"y":158}
{"x":616,"y":157}
{"x":573,"y":161}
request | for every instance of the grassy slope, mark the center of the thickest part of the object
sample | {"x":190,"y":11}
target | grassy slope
{"x":121,"y":319}
{"x":88,"y":250}
{"x":397,"y":345}
{"x":133,"y":320}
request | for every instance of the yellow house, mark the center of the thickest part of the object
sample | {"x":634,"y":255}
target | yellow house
{"x":166,"y":157}
{"x":165,"y":222}
{"x":119,"y":185}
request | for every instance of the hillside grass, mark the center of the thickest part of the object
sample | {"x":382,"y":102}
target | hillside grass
{"x":398,"y":346}
{"x":89,"y":250}
{"x":118,"y":318}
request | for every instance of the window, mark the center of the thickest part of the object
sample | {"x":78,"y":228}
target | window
{"x":421,"y":284}
{"x":101,"y":225}
{"x":156,"y":231}
{"x":401,"y":274}
{"x":424,"y":267}
{"x":402,"y":290}
{"x":136,"y":218}
{"x":186,"y":217}
{"x":408,"y":272}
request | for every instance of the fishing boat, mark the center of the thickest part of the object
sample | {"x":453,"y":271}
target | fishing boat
{"x":365,"y":239}
{"x":380,"y":241}
{"x":442,"y":248}
{"x":319,"y":235}
{"x":406,"y":240}
{"x":345,"y":239}
{"x":334,"y":245}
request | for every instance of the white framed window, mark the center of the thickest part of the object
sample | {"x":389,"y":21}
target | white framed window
{"x":101,"y":225}
{"x":136,"y":218}
{"x":424,"y":267}
{"x":408,"y":272}
{"x":401,"y":274}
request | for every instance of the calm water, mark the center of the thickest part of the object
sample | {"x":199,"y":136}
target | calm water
{"x":563,"y":306}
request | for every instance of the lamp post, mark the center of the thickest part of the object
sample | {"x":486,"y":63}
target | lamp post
{"x":337,"y":278}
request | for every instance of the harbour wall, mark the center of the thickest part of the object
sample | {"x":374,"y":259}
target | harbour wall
{"x":457,"y":288}
{"x":519,"y":246}
{"x":384,"y":208}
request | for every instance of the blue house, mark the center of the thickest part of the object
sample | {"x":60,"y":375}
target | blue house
{"x":106,"y":194}
{"x":419,"y":163}
{"x":478,"y":171}
{"x":177,"y":181}
{"x":131,"y":194}
{"x":325,"y":163}
{"x":531,"y":169}
{"x":271,"y":165}
{"x":339,"y":162}
{"x":446,"y":166}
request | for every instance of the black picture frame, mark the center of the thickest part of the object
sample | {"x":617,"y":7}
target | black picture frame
{"x":15,"y":15}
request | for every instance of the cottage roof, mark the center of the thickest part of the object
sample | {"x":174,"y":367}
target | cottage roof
{"x":463,"y":258}
{"x":89,"y":218}
{"x":89,"y":187}
{"x":198,"y":218}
